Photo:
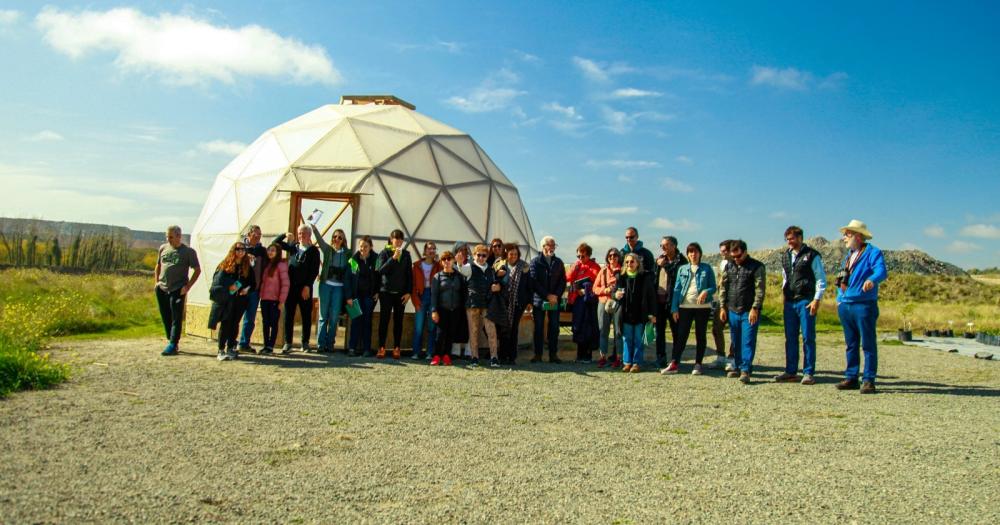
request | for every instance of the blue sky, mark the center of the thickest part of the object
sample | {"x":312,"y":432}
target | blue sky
{"x":701,"y":121}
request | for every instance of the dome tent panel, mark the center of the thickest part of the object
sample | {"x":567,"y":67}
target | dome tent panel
{"x":328,"y":115}
{"x":338,"y":149}
{"x":220,"y":188}
{"x":465,"y":149}
{"x":375,"y":216}
{"x":212,"y":249}
{"x":492,"y":168}
{"x":445,"y":222}
{"x":502,"y":224}
{"x":431,"y":126}
{"x":381,"y":142}
{"x":225,"y":217}
{"x":272,"y":215}
{"x":295,"y":142}
{"x":416,"y":162}
{"x":268,"y":157}
{"x":411,"y":199}
{"x":327,"y":180}
{"x":454,"y":170}
{"x":252,"y":191}
{"x":474,"y":199}
{"x":391,"y":118}
{"x":514,"y":204}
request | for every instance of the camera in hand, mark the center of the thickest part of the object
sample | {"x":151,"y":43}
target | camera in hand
{"x":843,"y":277}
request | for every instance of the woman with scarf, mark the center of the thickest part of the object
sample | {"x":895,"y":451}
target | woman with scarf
{"x":514,"y":287}
{"x":637,"y":296}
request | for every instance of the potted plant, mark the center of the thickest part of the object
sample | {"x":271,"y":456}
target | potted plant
{"x":969,"y":332}
{"x":950,"y":332}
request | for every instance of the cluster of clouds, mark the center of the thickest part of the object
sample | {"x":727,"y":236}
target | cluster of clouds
{"x":977,"y":230}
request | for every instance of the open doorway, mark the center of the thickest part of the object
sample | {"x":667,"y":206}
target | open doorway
{"x":329,"y":212}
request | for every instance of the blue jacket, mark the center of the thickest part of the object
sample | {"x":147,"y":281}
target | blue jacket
{"x":648,"y":261}
{"x":705,"y":278}
{"x":870,"y":267}
{"x":547,"y":278}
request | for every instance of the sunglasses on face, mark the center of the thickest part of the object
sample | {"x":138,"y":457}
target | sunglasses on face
{"x":630,"y":262}
{"x":630,"y":237}
{"x":613,"y":256}
{"x":341,"y":237}
{"x":446,"y":259}
{"x":239,"y":249}
{"x":480,"y":255}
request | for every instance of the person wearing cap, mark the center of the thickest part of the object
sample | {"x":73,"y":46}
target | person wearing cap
{"x":857,"y":304}
{"x":548,"y":282}
{"x":803,"y":282}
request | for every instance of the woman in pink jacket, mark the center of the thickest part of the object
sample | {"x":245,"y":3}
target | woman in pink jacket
{"x":273,"y":292}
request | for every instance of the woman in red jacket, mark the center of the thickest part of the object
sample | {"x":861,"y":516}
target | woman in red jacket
{"x":583,"y":302}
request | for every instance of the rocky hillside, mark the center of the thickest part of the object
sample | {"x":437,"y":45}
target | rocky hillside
{"x":897,"y":261}
{"x":67,"y":231}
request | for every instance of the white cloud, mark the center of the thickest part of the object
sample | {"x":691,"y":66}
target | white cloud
{"x":620,"y":122}
{"x":779,"y":215}
{"x":183,"y":49}
{"x":934,"y":231}
{"x":622,"y":164}
{"x":46,"y":135}
{"x":634,"y":93}
{"x":794,"y":79}
{"x":527,"y":57}
{"x":494,"y":93}
{"x":683,"y":159}
{"x":568,"y":119}
{"x":9,"y":17}
{"x":598,"y":72}
{"x":982,"y":231}
{"x":673,"y":184}
{"x":682,"y":225}
{"x":600,"y":243}
{"x":222,"y":147}
{"x":626,"y":179}
{"x":963,"y":247}
{"x":600,"y":221}
{"x":566,"y":111}
{"x":626,"y":210}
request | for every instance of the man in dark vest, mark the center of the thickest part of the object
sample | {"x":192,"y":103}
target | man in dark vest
{"x":741,"y":295}
{"x":803,"y":282}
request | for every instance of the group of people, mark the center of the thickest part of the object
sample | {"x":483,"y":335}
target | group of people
{"x":465,"y":292}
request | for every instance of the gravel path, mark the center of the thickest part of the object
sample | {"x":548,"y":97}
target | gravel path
{"x":136,"y":437}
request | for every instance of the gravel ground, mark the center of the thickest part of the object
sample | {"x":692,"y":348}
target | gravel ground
{"x":136,"y":437}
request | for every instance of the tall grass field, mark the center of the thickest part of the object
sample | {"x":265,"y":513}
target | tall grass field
{"x":37,"y":305}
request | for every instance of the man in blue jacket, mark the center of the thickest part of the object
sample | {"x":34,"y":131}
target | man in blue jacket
{"x":857,"y":304}
{"x":548,"y":282}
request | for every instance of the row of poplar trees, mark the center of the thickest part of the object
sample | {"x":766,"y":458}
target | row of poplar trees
{"x":92,"y":252}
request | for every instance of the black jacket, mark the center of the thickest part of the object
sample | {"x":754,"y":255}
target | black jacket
{"x":743,"y":286}
{"x":397,"y":276}
{"x":303,"y":268}
{"x":367,"y":279}
{"x":479,"y":287}
{"x":225,"y":304}
{"x":547,"y":278}
{"x":448,"y":291}
{"x":639,"y":301}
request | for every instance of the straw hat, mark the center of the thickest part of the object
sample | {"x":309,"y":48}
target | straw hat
{"x":857,"y":227}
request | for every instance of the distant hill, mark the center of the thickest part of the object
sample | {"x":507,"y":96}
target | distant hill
{"x":67,"y":231}
{"x":897,"y":261}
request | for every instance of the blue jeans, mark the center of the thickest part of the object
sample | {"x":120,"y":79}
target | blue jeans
{"x":539,"y":314}
{"x":423,"y":324}
{"x":361,"y":326}
{"x":633,"y":346}
{"x":331,"y":300}
{"x":249,"y":318}
{"x":858,"y":320}
{"x":744,"y":336}
{"x":797,"y":317}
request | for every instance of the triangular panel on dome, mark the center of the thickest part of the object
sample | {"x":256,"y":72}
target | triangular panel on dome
{"x":393,"y":117}
{"x":381,"y":142}
{"x":433,"y":127}
{"x":238,"y":164}
{"x":338,"y":149}
{"x":225,"y":218}
{"x":298,"y":140}
{"x":328,"y":180}
{"x":215,"y":196}
{"x":492,"y":168}
{"x":375,"y":216}
{"x":268,"y":157}
{"x":444,"y":222}
{"x":474,"y":200}
{"x":463,"y":147}
{"x":251,"y":192}
{"x":415,"y":162}
{"x":453,"y":170}
{"x":329,"y":115}
{"x":411,"y":199}
{"x":502,"y":225}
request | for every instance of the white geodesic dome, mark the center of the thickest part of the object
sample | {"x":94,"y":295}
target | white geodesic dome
{"x":406,"y":171}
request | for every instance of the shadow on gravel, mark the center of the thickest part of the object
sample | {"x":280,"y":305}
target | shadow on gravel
{"x":922,"y":387}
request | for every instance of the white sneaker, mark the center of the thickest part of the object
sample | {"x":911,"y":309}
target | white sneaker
{"x":222,"y":355}
{"x":730,"y":365}
{"x":720,"y":362}
{"x":696,"y":371}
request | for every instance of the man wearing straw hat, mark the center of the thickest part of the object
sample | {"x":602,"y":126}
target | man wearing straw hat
{"x":857,"y":304}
